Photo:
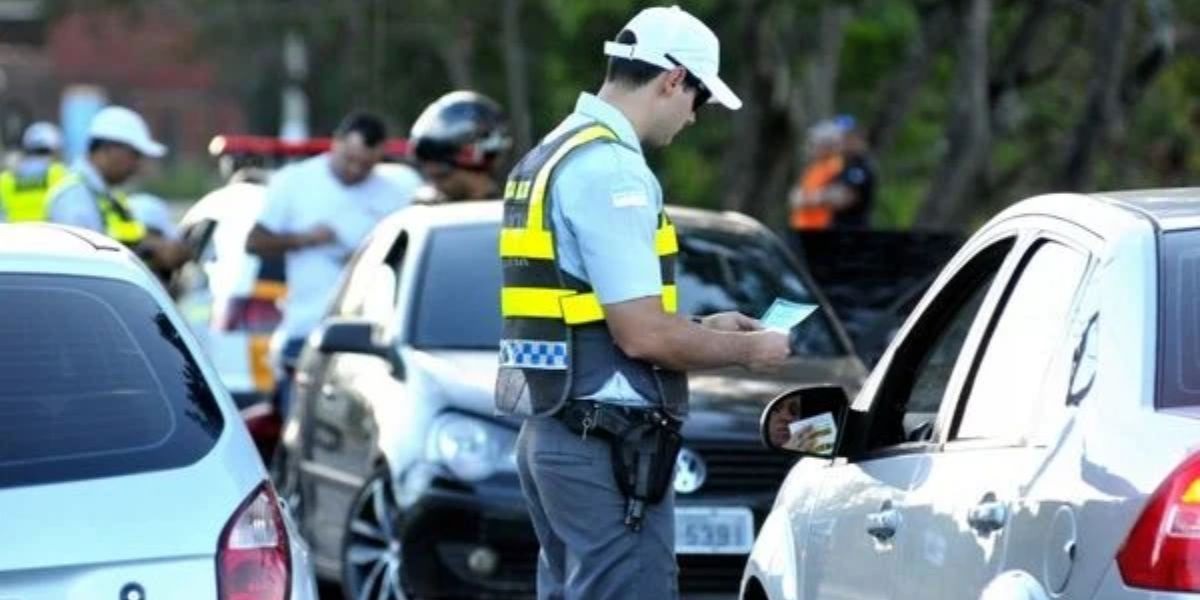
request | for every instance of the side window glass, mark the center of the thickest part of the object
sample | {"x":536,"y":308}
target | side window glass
{"x":920,"y":371}
{"x":1019,"y":353}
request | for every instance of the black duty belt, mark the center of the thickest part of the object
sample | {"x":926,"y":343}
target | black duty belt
{"x":609,"y":421}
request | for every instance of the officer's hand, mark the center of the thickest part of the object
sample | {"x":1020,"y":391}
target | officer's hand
{"x":731,"y":321}
{"x":319,"y":235}
{"x":768,"y":350}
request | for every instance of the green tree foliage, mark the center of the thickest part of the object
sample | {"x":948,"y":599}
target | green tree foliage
{"x":1080,"y":94}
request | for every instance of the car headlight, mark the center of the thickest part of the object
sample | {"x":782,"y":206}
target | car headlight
{"x":470,"y":447}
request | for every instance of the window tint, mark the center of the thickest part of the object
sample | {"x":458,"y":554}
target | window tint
{"x":458,"y":302}
{"x":1030,"y":328}
{"x":934,"y":370}
{"x":916,"y":380}
{"x":1179,"y":324}
{"x":94,"y":381}
{"x":724,"y":270}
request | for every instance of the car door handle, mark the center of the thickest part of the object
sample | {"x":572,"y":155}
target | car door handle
{"x":987,"y":516}
{"x":882,"y":525}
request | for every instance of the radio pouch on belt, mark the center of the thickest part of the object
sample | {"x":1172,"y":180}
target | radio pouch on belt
{"x":644,"y":465}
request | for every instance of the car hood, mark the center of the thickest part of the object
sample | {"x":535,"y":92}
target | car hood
{"x":720,"y":399}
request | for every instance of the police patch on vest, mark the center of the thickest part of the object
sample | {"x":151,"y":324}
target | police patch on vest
{"x":533,"y":354}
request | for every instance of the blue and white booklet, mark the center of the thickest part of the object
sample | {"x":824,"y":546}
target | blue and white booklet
{"x":783,"y":315}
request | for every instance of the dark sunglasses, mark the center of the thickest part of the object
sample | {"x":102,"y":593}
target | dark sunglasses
{"x":691,"y":81}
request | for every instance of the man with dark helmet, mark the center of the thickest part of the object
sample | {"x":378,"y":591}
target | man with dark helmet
{"x":458,"y":143}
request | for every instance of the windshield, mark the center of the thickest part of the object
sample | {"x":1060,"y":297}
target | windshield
{"x":746,"y":271}
{"x":458,"y":300}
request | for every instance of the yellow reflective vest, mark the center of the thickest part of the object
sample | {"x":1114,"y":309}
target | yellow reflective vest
{"x":118,"y":219}
{"x":27,"y":199}
{"x":555,"y":344}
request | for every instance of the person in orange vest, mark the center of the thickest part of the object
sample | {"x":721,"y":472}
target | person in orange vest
{"x":814,"y":197}
{"x":25,"y":189}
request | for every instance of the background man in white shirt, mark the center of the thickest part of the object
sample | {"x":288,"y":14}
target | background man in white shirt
{"x":317,"y":213}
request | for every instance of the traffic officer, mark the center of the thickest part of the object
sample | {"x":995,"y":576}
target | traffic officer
{"x":90,"y":197}
{"x":25,"y":188}
{"x":457,"y":142}
{"x":591,"y":344}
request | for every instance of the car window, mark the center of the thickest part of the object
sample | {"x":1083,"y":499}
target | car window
{"x":95,"y":381}
{"x":915,"y":383}
{"x":1179,"y":323}
{"x":458,"y":292}
{"x":1030,"y":327}
{"x":369,"y":289}
{"x":722,"y":270}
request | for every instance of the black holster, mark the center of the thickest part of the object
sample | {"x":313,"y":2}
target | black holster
{"x":644,"y":444}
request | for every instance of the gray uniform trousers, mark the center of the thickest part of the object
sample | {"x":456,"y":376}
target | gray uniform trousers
{"x":579,"y":516}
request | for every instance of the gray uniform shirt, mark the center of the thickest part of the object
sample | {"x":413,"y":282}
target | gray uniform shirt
{"x":605,"y":215}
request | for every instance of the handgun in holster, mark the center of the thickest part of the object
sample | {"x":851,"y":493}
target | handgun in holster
{"x":644,"y":444}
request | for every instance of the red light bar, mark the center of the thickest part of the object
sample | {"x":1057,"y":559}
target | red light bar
{"x":269,"y":146}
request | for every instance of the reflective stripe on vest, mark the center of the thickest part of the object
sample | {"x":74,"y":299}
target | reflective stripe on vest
{"x":23,"y":200}
{"x":118,"y":219}
{"x":543,"y":306}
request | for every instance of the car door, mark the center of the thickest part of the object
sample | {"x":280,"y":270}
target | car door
{"x":855,"y":533}
{"x":960,"y":503}
{"x":339,"y":429}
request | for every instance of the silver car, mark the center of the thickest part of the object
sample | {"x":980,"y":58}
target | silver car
{"x":403,"y":477}
{"x":1031,"y":432}
{"x":125,"y":471}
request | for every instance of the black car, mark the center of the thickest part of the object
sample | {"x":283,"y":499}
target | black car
{"x":404,"y":479}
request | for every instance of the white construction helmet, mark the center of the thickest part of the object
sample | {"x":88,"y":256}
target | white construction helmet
{"x":41,"y":136}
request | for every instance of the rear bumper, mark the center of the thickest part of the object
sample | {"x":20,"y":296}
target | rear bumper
{"x":1112,"y":587}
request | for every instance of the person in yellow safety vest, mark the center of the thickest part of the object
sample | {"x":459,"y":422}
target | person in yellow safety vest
{"x":25,"y":188}
{"x":592,"y":354}
{"x":90,"y":196}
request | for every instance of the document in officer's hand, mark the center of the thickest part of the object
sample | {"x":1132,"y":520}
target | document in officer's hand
{"x":783,"y":315}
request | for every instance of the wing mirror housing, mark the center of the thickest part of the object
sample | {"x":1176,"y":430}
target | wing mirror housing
{"x":809,"y":421}
{"x":356,"y":336}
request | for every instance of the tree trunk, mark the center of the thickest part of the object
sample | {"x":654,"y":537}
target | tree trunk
{"x":1102,"y":108}
{"x":901,"y":89}
{"x":822,"y":73}
{"x":516,"y":76}
{"x":457,"y":51}
{"x":968,"y":133}
{"x":738,"y":166}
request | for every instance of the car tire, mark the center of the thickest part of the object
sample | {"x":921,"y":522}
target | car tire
{"x":371,"y":549}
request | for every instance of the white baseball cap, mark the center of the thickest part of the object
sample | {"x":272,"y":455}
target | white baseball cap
{"x":119,"y":124}
{"x":670,"y":38}
{"x":41,"y":136}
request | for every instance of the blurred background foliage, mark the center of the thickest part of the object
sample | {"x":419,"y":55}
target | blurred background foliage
{"x":969,"y":104}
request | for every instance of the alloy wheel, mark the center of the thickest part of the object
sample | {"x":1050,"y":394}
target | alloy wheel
{"x":371,"y":552}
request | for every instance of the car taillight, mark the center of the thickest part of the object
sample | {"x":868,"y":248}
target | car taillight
{"x":253,"y":560}
{"x":255,"y":315}
{"x":1162,"y":551}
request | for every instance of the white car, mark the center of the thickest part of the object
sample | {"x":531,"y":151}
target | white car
{"x":125,"y":470}
{"x":1033,"y":431}
{"x":232,"y":300}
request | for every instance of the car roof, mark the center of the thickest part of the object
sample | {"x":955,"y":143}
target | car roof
{"x":1169,"y":209}
{"x":239,"y":200}
{"x":43,"y":238}
{"x":59,"y":249}
{"x":431,"y":216}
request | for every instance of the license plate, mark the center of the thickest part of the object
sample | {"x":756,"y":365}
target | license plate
{"x":713,"y":530}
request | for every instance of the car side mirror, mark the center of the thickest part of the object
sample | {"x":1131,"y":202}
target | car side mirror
{"x":809,"y":421}
{"x":352,"y":336}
